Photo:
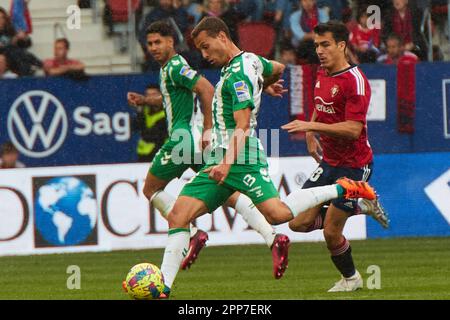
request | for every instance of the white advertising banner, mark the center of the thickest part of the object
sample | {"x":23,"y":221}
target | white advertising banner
{"x":102,"y":208}
{"x":377,"y":106}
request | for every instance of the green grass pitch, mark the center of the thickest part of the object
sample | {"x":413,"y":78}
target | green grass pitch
{"x":410,"y":269}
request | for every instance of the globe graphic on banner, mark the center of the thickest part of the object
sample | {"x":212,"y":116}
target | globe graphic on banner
{"x":65,"y":211}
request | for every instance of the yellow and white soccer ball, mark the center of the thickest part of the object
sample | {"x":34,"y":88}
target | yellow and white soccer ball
{"x":144,"y":282}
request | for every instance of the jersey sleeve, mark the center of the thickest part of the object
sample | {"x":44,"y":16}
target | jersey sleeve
{"x":184,"y":76}
{"x":358,"y":98}
{"x":267,"y":66}
{"x":241,"y":91}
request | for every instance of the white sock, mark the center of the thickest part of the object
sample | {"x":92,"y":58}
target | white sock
{"x":255,"y":219}
{"x":164,"y":202}
{"x":176,"y":249}
{"x":303,"y":199}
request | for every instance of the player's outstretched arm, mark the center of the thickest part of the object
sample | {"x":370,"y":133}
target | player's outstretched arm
{"x":277,"y":72}
{"x":347,"y":129}
{"x":135,"y":99}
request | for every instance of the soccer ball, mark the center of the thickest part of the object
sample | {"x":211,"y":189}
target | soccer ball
{"x":144,"y":282}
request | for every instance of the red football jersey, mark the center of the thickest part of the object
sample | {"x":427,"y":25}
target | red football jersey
{"x":338,"y":97}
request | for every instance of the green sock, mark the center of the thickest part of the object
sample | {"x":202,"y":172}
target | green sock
{"x":340,"y":190}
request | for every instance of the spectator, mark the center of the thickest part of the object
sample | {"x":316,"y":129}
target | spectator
{"x":405,"y":21}
{"x":194,"y":9}
{"x":20,"y":16}
{"x":9,"y":157}
{"x":150,"y":121}
{"x":61,"y":64}
{"x":5,"y":73}
{"x":364,"y":41}
{"x":288,"y":55}
{"x":229,"y":14}
{"x":164,"y":10}
{"x":279,"y":11}
{"x":335,"y":7}
{"x":14,"y":44}
{"x":250,"y":9}
{"x":214,"y":8}
{"x":7,"y":32}
{"x":302,"y":23}
{"x":396,"y":51}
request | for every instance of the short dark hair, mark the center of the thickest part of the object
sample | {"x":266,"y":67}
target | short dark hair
{"x":8,"y":147}
{"x":213,"y":26}
{"x":395,"y":36}
{"x":161,"y":27}
{"x":338,"y":30}
{"x":286,"y":46}
{"x":153,"y":86}
{"x":65,"y":41}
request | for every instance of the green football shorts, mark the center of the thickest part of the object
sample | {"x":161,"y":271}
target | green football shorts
{"x":170,"y":163}
{"x":251,"y":180}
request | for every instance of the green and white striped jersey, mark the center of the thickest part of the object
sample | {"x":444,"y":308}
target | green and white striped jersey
{"x":176,"y":80}
{"x":240,"y":86}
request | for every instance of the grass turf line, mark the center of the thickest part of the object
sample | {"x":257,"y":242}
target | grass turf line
{"x":413,"y":268}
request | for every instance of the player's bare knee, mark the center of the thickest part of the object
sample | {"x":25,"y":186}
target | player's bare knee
{"x":332,"y":235}
{"x":177,"y":219}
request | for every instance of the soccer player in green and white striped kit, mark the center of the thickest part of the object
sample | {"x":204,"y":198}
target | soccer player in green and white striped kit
{"x":179,"y":86}
{"x":237,"y":161}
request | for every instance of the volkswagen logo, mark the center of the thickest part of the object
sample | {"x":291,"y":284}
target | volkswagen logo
{"x":37,"y":124}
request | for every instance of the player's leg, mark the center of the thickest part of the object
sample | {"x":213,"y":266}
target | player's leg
{"x":162,"y":171}
{"x":185,"y":210}
{"x":245,"y":207}
{"x":314,"y":218}
{"x":278,"y":243}
{"x":277,"y":211}
{"x":340,"y":250}
{"x":308,"y":221}
{"x":213,"y":195}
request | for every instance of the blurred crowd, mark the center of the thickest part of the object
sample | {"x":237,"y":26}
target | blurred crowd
{"x":15,"y":40}
{"x":399,"y":36}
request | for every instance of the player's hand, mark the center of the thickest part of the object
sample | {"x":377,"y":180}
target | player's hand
{"x":276,"y":89}
{"x":314,"y":147}
{"x":218,"y":172}
{"x":206,"y":138}
{"x":297,"y":125}
{"x":135,"y":99}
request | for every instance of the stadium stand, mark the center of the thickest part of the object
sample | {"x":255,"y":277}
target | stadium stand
{"x":102,"y":55}
{"x":257,"y":37}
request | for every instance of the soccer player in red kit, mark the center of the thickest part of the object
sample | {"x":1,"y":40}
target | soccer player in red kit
{"x":341,"y":98}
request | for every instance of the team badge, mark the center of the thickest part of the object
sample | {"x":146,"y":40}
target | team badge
{"x":188,"y":72}
{"x":242,"y":91}
{"x":334,"y":90}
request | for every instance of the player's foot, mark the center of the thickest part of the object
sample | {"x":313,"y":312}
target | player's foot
{"x":348,"y":284}
{"x":280,"y":248}
{"x":165,"y":294}
{"x":198,"y":241}
{"x":374,"y":209}
{"x":356,"y":189}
